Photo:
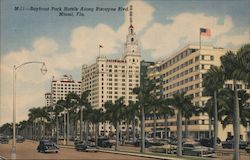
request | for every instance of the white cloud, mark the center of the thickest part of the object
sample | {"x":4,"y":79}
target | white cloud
{"x":45,"y":45}
{"x":164,"y":39}
{"x":234,"y":40}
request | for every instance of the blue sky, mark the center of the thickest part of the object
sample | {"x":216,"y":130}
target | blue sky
{"x":65,"y":43}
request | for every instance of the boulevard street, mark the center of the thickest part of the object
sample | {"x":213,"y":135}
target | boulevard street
{"x":27,"y":150}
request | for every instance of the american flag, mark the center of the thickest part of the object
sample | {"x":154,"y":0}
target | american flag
{"x":205,"y":32}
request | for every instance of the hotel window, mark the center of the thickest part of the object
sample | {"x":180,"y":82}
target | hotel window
{"x":196,"y":58}
{"x":202,"y":66}
{"x":202,"y":57}
{"x":196,"y":67}
{"x":197,"y":85}
{"x":211,"y":58}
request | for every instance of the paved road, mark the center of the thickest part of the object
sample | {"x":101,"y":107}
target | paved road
{"x":27,"y":150}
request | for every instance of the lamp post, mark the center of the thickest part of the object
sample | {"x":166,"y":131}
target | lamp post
{"x":15,"y":68}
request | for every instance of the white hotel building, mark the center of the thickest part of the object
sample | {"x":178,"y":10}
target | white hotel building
{"x":110,"y":79}
{"x":60,"y":89}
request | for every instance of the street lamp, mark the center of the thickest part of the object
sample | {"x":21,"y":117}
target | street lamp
{"x":15,"y":68}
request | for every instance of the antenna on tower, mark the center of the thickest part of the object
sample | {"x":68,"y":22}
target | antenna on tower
{"x":131,"y":14}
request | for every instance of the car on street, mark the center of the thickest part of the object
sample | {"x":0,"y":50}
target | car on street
{"x":90,"y":147}
{"x":138,"y":143}
{"x":230,"y":144}
{"x":4,"y":140}
{"x":248,"y":149}
{"x":20,"y":139}
{"x":104,"y":142}
{"x":47,"y":146}
{"x":196,"y":149}
{"x":209,"y":142}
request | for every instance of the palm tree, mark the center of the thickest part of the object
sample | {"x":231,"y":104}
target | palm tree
{"x":225,"y":101}
{"x":83,"y":101}
{"x":166,"y":110}
{"x":243,"y":58}
{"x":38,"y":115}
{"x":131,"y":113}
{"x":180,"y":101}
{"x":236,"y":68}
{"x":115,"y":112}
{"x":209,"y":109}
{"x":145,"y":98}
{"x":188,"y":112}
{"x":212,"y":82}
{"x":96,"y":116}
{"x":71,"y":102}
{"x":57,"y":111}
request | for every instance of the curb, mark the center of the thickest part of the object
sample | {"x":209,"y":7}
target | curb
{"x":2,"y":158}
{"x":129,"y":153}
{"x":141,"y":155}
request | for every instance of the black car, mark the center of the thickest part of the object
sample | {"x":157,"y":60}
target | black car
{"x":209,"y":142}
{"x":138,"y":143}
{"x":230,"y":144}
{"x":20,"y":139}
{"x":4,"y":140}
{"x":47,"y":146}
{"x":104,"y":142}
{"x":86,"y":147}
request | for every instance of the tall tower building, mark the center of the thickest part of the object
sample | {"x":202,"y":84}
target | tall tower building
{"x":110,"y":79}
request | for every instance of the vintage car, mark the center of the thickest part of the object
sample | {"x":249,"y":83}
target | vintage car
{"x":230,"y":144}
{"x":4,"y":140}
{"x":196,"y":149}
{"x":87,"y":147}
{"x":104,"y":142}
{"x":47,"y":146}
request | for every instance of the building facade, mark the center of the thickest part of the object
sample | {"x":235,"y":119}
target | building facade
{"x":60,"y":88}
{"x":110,"y":79}
{"x":184,"y":72}
{"x":47,"y":99}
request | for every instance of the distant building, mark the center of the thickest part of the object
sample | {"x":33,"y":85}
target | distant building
{"x":60,"y":88}
{"x":110,"y":79}
{"x":183,"y":72}
{"x":47,"y":99}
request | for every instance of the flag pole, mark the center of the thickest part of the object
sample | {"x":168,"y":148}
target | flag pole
{"x":99,"y":51}
{"x":200,"y":39}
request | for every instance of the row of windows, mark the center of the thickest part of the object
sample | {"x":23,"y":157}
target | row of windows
{"x":185,"y":89}
{"x":190,"y":70}
{"x":177,"y":58}
{"x":67,"y":85}
{"x":190,"y":122}
{"x":182,"y":82}
{"x":66,"y":88}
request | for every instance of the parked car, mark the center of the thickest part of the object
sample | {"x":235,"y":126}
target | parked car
{"x":104,"y":142}
{"x":47,"y":146}
{"x":248,"y":149}
{"x":196,"y":149}
{"x":166,"y":148}
{"x":139,"y":141}
{"x":209,"y":142}
{"x":230,"y":144}
{"x":86,"y":147}
{"x":4,"y":140}
{"x":20,"y":139}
